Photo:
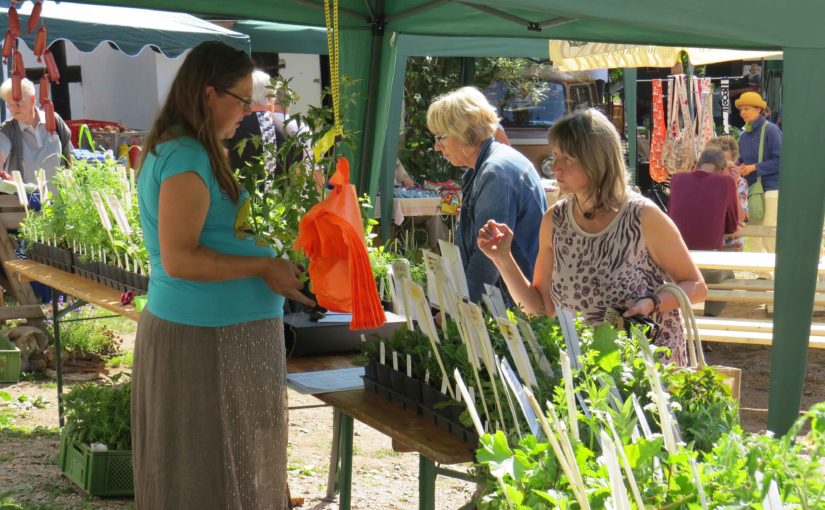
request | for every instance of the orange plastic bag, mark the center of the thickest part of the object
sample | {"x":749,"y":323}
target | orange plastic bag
{"x":332,"y":236}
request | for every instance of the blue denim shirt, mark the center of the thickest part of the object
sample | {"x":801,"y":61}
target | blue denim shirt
{"x":506,"y":188}
{"x":768,"y":169}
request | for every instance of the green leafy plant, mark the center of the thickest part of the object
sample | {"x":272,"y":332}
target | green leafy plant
{"x":101,"y":413}
{"x":84,"y":337}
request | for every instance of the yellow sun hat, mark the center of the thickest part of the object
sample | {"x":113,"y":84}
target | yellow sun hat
{"x":751,"y":99}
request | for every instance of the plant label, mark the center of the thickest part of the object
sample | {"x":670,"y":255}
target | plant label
{"x":571,"y":337}
{"x":517,"y":389}
{"x":528,"y":334}
{"x":41,"y":184}
{"x":21,"y":188}
{"x":409,"y":366}
{"x":569,"y":391}
{"x":382,"y":354}
{"x":119,"y":214}
{"x":471,"y":407}
{"x":395,"y":360}
{"x":494,"y":301}
{"x":455,"y":268}
{"x":510,"y":333}
{"x":101,"y":211}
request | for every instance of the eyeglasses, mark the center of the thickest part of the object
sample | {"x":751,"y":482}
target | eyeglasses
{"x":247,"y":103}
{"x":439,"y":139}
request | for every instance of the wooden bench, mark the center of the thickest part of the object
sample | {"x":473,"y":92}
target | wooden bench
{"x":749,"y":331}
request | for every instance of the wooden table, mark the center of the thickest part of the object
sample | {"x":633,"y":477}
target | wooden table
{"x":403,"y":426}
{"x":739,"y":261}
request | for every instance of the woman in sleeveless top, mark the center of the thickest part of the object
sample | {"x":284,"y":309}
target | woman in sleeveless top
{"x":601,"y":246}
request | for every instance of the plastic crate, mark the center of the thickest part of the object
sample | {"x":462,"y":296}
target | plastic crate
{"x":74,"y":127}
{"x":101,"y":474}
{"x":113,"y":141}
{"x":9,"y":361}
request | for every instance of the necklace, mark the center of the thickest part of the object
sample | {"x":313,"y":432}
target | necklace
{"x":588,"y":215}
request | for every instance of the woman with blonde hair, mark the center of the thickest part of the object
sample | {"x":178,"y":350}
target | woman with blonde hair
{"x":602,"y":246}
{"x":499,"y":184}
{"x":209,"y":411}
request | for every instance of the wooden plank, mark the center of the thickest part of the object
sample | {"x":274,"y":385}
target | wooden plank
{"x":7,"y":200}
{"x":8,"y":313}
{"x":739,"y":261}
{"x":760,"y":326}
{"x":11,"y":220}
{"x":746,"y":296}
{"x":401,"y":425}
{"x":72,"y":284}
{"x":296,"y":364}
{"x":761,"y":285}
{"x":750,"y":338}
{"x":756,"y":231}
{"x":21,"y":291}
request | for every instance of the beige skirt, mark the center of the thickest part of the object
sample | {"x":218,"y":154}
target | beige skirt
{"x":209,"y":416}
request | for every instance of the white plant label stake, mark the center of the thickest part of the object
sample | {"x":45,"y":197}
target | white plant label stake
{"x":528,"y":334}
{"x":41,"y":185}
{"x":478,"y":331}
{"x":21,"y":189}
{"x":494,"y":301}
{"x":462,"y":389}
{"x":514,"y":343}
{"x":455,"y":268}
{"x":421,"y":312}
{"x":518,"y":390}
{"x":569,"y":391}
{"x":382,"y":354}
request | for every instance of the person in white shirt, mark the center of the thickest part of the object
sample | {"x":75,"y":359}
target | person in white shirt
{"x":25,"y":143}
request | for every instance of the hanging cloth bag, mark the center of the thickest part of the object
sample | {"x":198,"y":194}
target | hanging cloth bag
{"x":679,"y":153}
{"x":704,"y":113}
{"x":658,"y":172}
{"x":756,"y":193}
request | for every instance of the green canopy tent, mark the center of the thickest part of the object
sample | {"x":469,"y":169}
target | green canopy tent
{"x":282,"y":37}
{"x":131,"y":30}
{"x":375,"y":39}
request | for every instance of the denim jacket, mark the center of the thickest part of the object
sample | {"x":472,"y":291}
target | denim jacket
{"x":506,"y":188}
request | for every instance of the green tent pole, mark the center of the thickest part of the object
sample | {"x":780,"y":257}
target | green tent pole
{"x":384,"y":144}
{"x":799,"y":233}
{"x":372,"y":89}
{"x":630,"y":120}
{"x":355,"y":78}
{"x":468,"y":70}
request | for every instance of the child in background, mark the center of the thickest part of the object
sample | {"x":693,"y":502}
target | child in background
{"x":730,"y":148}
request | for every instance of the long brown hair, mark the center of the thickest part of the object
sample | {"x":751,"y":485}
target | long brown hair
{"x":589,"y":137}
{"x":185,"y":113}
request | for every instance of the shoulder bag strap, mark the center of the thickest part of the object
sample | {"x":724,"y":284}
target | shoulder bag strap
{"x":762,"y":142}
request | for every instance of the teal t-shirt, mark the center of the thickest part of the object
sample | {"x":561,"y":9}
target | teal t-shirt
{"x":202,"y":303}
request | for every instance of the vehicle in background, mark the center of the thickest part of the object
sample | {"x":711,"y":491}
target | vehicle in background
{"x":528,"y":112}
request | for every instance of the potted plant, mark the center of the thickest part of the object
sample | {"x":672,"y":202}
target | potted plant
{"x":95,"y":445}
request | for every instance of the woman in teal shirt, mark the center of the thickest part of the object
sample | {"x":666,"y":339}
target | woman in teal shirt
{"x":209,"y":412}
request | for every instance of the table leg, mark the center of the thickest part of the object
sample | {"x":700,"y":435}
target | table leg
{"x":334,"y":456}
{"x":58,"y":361}
{"x":345,"y":453}
{"x":426,"y":483}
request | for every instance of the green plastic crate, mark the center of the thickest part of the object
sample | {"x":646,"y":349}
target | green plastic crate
{"x":9,"y":361}
{"x":102,"y":474}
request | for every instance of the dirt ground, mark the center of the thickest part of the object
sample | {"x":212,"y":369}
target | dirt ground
{"x":382,"y":478}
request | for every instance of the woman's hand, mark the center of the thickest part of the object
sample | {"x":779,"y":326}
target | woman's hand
{"x":281,"y":276}
{"x":747,"y":169}
{"x":644,"y":306}
{"x":494,"y":240}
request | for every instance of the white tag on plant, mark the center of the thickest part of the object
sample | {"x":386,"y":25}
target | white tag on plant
{"x":119,"y":213}
{"x":395,"y":360}
{"x":382,"y":353}
{"x":517,"y":389}
{"x":21,"y":188}
{"x":462,"y":389}
{"x":409,"y":366}
{"x":101,"y":211}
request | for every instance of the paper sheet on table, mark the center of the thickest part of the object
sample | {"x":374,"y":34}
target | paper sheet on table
{"x":325,"y":381}
{"x":337,"y":317}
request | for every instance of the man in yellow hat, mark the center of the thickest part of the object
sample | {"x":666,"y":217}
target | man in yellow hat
{"x":759,"y":146}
